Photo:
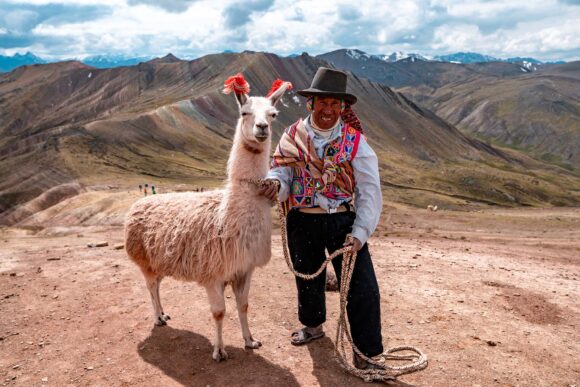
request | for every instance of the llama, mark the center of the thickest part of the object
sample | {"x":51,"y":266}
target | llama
{"x":215,"y":237}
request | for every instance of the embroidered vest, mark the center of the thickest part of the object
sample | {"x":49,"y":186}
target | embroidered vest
{"x":341,"y":151}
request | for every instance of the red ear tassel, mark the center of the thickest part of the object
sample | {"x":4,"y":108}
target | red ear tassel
{"x":278,"y":84}
{"x":237,"y":84}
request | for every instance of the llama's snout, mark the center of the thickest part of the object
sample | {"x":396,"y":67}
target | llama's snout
{"x":261,"y":131}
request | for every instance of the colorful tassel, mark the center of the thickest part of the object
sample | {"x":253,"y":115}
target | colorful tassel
{"x":236,"y":84}
{"x":278,"y":84}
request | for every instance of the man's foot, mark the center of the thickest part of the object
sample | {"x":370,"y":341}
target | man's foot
{"x":306,"y":335}
{"x":362,"y":364}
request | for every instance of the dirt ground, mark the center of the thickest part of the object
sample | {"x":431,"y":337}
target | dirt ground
{"x":491,"y":296}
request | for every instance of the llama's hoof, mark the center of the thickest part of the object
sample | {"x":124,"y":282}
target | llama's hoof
{"x":160,"y":321}
{"x":253,"y":344}
{"x":165,"y":317}
{"x":219,"y":354}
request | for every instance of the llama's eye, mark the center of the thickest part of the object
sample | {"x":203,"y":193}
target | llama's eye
{"x":245,"y":114}
{"x":273,"y":115}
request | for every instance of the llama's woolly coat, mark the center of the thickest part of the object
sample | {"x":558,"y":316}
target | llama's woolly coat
{"x":194,"y":237}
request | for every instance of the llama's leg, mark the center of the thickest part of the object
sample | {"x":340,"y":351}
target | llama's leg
{"x":215,"y":293}
{"x":153,"y":281}
{"x":241,"y":286}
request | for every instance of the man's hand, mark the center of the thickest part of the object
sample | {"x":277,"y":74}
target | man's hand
{"x":356,"y":244}
{"x":270,"y":191}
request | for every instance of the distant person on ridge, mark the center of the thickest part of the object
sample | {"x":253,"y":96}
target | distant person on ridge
{"x":322,"y":163}
{"x":153,"y":190}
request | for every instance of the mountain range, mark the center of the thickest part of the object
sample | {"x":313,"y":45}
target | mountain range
{"x":9,"y":63}
{"x":536,"y":110}
{"x":166,"y":121}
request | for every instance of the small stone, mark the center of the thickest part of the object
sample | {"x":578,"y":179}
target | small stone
{"x":45,"y":379}
{"x":89,"y":368}
{"x":119,"y":246}
{"x":16,"y":367}
{"x":98,"y":244}
{"x":491,"y":343}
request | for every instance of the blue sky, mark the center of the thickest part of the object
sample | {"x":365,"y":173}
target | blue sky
{"x":546,"y":29}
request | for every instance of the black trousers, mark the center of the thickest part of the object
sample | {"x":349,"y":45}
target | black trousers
{"x":308,"y":236}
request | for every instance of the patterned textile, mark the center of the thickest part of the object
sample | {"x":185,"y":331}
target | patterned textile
{"x":349,"y":117}
{"x":332,"y":176}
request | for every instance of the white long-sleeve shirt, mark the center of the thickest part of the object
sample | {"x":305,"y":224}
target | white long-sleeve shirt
{"x":368,"y":195}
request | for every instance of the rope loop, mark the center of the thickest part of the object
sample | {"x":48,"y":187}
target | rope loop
{"x":418,"y":359}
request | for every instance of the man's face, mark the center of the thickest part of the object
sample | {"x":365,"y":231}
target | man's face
{"x":326,"y":111}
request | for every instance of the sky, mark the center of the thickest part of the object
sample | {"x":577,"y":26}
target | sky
{"x":58,"y":29}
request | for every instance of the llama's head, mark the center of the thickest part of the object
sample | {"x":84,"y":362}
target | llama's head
{"x":256,"y":113}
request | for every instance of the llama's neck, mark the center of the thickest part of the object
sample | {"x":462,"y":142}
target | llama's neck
{"x":248,"y":160}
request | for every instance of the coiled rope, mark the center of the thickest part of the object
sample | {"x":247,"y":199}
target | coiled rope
{"x":343,"y":335}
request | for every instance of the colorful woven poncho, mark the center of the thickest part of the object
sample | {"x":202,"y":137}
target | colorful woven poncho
{"x":296,"y":149}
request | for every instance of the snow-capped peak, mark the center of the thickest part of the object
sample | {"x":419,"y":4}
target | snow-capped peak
{"x":357,"y":54}
{"x":399,"y":55}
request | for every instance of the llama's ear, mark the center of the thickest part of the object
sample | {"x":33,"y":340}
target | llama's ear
{"x":241,"y":98}
{"x":239,"y":86}
{"x":278,"y":89}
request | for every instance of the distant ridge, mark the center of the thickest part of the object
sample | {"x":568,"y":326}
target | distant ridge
{"x":169,"y":58}
{"x":9,"y":63}
{"x":110,"y":61}
{"x":467,"y":57}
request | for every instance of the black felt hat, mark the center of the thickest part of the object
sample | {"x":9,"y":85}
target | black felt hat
{"x":330,"y":83}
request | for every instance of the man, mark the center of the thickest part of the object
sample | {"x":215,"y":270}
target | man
{"x":325,"y":165}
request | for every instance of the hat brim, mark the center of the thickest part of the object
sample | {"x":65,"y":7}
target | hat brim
{"x":311,"y":92}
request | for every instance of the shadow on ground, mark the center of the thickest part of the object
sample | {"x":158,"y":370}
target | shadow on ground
{"x":185,"y":357}
{"x":329,"y":373}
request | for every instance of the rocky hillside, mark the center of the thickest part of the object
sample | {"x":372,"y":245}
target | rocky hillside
{"x":538,"y":113}
{"x":535,"y":110}
{"x":166,"y":121}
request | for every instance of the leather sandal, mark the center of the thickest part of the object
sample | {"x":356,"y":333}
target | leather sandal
{"x":304,"y":336}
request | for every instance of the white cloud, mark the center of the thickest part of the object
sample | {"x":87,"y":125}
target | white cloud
{"x":547,"y":29}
